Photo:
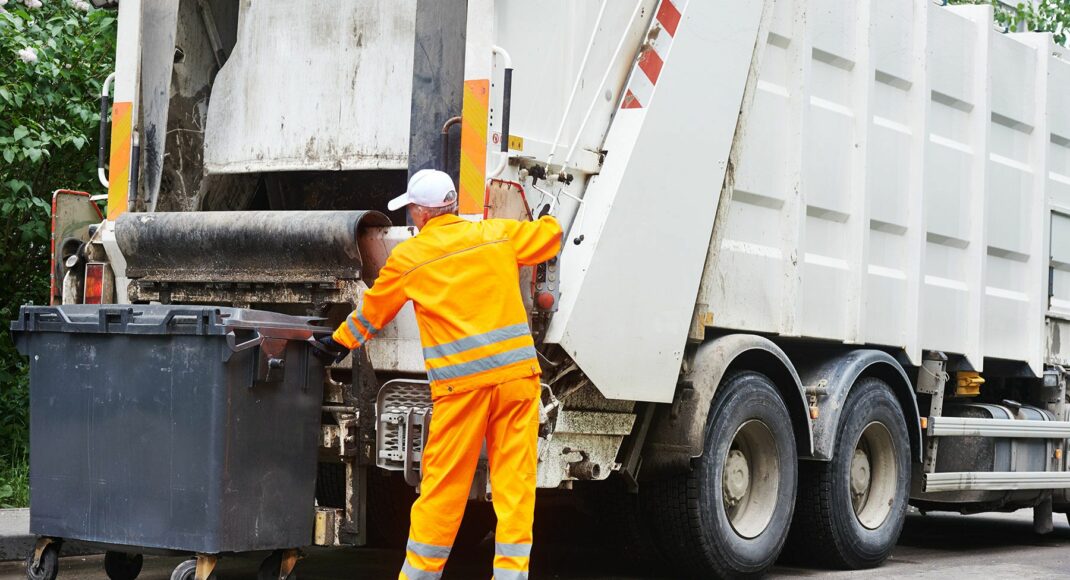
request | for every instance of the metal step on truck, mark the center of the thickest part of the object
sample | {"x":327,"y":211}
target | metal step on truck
{"x":816,"y":266}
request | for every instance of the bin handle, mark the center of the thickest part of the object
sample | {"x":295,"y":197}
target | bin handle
{"x":235,"y":346}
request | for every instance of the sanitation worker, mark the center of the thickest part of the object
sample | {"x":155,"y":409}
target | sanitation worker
{"x":462,"y":278}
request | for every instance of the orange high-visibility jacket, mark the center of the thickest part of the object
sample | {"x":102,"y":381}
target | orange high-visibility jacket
{"x":463,"y":279}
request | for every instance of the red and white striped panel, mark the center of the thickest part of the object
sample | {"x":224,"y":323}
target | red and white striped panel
{"x":653,"y":54}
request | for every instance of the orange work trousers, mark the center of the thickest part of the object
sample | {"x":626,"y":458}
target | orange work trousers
{"x":507,"y":417}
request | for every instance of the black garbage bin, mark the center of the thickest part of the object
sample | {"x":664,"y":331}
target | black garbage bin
{"x":183,"y":428}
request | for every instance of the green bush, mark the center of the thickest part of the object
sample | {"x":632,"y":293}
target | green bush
{"x":1043,"y":16}
{"x":54,"y":54}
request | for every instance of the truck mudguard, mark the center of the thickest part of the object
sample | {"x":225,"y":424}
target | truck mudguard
{"x":677,"y":431}
{"x":834,"y":375}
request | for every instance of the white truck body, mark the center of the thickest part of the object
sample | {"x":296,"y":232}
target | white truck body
{"x":900,"y":179}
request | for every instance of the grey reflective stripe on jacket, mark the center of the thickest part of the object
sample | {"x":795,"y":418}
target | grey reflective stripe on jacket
{"x":357,"y":334}
{"x":482,"y":364}
{"x":478,"y":340}
{"x":371,"y":327}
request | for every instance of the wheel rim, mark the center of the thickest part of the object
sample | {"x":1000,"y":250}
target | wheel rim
{"x":873,"y":475}
{"x":750,"y":479}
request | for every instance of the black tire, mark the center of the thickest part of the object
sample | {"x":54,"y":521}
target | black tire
{"x":270,"y":567}
{"x":689,"y":513}
{"x":48,"y":567}
{"x":826,"y":530}
{"x":122,"y":566}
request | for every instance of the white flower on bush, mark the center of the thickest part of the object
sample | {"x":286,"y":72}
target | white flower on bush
{"x":3,"y":2}
{"x":32,"y":3}
{"x":80,"y":5}
{"x":28,"y":55}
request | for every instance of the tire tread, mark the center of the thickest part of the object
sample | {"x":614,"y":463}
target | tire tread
{"x":672,"y":505}
{"x":813,"y":538}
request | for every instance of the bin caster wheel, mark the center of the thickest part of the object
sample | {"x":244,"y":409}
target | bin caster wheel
{"x":43,"y":563}
{"x":122,"y":566}
{"x":203,"y":564}
{"x":185,"y":571}
{"x":278,"y":566}
{"x":188,"y":571}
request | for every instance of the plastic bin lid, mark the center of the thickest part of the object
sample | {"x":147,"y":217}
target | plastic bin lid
{"x":160,"y":319}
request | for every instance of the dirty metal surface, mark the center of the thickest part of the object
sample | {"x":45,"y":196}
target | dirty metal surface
{"x":244,"y":246}
{"x":328,"y":90}
{"x":176,"y":172}
{"x":340,"y":292}
{"x":72,"y":214}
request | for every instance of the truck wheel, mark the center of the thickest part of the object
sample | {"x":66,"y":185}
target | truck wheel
{"x":850,"y":510}
{"x":729,"y":516}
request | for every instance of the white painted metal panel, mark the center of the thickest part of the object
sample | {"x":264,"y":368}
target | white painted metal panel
{"x":1058,"y":178}
{"x":316,"y":85}
{"x":632,"y":282}
{"x":891,"y":183}
{"x":549,"y":60}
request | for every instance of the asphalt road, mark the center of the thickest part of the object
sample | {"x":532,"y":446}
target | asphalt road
{"x":979,"y":547}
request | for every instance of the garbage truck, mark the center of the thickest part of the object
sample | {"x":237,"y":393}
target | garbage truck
{"x":815,"y":269}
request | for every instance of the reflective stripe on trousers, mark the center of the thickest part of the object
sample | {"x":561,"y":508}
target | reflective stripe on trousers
{"x":507,"y":574}
{"x":507,"y":417}
{"x":511,"y":561}
{"x":409,"y":572}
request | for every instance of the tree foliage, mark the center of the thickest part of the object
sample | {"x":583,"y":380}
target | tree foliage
{"x":54,"y":55}
{"x":1041,"y":16}
{"x":1045,"y":16}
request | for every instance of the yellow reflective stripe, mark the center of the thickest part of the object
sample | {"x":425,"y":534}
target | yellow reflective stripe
{"x":119,"y":162}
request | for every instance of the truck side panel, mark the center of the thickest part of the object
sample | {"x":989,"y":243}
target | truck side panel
{"x":893,"y":163}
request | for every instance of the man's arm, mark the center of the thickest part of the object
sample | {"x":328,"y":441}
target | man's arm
{"x":380,"y":305}
{"x":535,"y":242}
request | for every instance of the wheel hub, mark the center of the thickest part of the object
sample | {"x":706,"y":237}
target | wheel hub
{"x":750,"y":478}
{"x":736,"y":477}
{"x":860,"y":474}
{"x":873,"y":476}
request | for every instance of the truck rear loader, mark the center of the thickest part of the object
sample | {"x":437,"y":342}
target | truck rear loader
{"x":816,"y":264}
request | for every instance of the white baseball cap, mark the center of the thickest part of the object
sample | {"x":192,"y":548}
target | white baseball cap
{"x":429,"y":188}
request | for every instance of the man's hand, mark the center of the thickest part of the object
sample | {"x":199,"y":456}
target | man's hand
{"x":328,"y":350}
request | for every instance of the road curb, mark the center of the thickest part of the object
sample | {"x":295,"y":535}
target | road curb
{"x":16,"y":541}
